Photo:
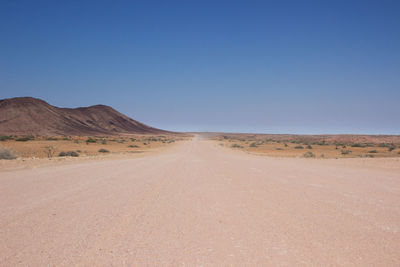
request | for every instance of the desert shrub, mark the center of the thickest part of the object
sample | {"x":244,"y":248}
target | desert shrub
{"x":309,"y":154}
{"x":383,"y":145}
{"x":134,"y":146}
{"x":346,"y":152}
{"x":133,"y":139}
{"x":24,"y":139}
{"x":309,"y":147}
{"x":145,"y":144}
{"x":102,"y":150}
{"x":279,"y":148}
{"x":299,"y":147}
{"x":68,"y":154}
{"x":357,"y":145}
{"x":5,"y":137}
{"x":103,"y":142}
{"x":322,"y":143}
{"x":236,"y":146}
{"x":7,"y":154}
{"x":322,"y":155}
{"x":369,"y":156}
{"x":391,"y":148}
{"x":373,"y":151}
{"x":254,"y":144}
{"x":90,"y":140}
{"x":52,"y":139}
{"x":171,"y":141}
{"x":286,"y":145}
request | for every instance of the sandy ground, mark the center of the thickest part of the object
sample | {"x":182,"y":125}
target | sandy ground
{"x":198,"y":203}
{"x":296,"y":147}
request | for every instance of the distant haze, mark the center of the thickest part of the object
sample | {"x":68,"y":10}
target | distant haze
{"x":238,"y":66}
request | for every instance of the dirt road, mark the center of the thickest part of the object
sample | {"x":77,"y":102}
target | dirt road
{"x":201,"y":204}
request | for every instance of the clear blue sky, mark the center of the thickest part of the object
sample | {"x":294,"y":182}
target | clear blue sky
{"x":248,"y":66}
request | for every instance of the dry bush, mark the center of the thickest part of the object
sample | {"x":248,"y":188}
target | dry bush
{"x":25,"y":138}
{"x":90,"y":140}
{"x":309,"y":154}
{"x":5,"y":137}
{"x":358,"y":145}
{"x":7,"y":154}
{"x":236,"y":146}
{"x":50,"y":151}
{"x":133,"y":146}
{"x":254,"y":144}
{"x":68,"y":154}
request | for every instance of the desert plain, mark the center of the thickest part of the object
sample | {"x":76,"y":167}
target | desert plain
{"x":199,"y":202}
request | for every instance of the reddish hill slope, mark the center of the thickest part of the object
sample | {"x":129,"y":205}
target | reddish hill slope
{"x":31,"y":116}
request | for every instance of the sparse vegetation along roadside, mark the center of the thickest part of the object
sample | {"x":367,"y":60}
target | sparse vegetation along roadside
{"x":321,"y":146}
{"x":51,"y":146}
{"x":102,"y":150}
